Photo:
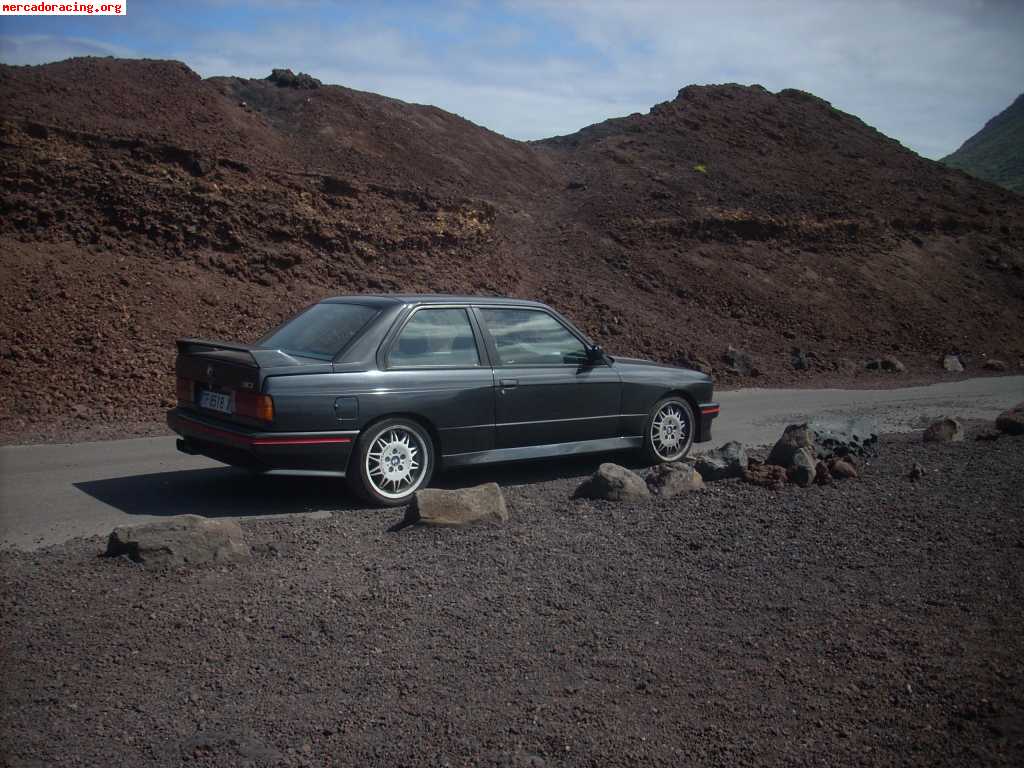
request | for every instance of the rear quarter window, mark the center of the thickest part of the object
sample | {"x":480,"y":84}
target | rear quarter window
{"x":321,"y":331}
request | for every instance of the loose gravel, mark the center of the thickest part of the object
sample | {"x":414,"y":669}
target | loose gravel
{"x":872,"y":622}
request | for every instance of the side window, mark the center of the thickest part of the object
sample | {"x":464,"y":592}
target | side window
{"x":531,"y":337}
{"x":436,"y":337}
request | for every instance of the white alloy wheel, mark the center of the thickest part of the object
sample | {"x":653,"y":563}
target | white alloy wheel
{"x":394,"y":459}
{"x":670,"y":430}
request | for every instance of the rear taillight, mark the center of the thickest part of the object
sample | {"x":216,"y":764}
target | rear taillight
{"x":186,"y":391}
{"x":254,"y":406}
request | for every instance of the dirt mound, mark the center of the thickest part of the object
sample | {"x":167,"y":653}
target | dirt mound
{"x":140,"y":202}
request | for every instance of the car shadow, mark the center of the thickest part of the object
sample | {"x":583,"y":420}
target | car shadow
{"x":230,"y":492}
{"x":218,"y":492}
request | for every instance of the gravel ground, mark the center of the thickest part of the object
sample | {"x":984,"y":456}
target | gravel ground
{"x":875,"y":622}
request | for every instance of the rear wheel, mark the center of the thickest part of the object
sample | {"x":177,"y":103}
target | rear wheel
{"x":393,"y":459}
{"x":668,"y":434}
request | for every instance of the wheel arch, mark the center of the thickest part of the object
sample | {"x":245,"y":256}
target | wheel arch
{"x":694,"y":409}
{"x":427,"y":424}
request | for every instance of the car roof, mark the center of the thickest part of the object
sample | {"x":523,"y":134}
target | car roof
{"x":430,"y":298}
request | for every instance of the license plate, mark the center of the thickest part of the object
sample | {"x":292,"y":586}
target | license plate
{"x":215,"y":401}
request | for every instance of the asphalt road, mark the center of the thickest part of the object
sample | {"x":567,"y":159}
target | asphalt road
{"x":52,"y":493}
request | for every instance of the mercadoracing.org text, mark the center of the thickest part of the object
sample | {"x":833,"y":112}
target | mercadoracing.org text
{"x":64,"y":9}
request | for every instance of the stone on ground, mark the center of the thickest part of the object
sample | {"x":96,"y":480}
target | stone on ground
{"x":462,"y":506}
{"x":766,"y":475}
{"x":801,"y":469}
{"x":887,"y":363}
{"x":613,"y":483}
{"x":1012,"y":421}
{"x":947,"y":430}
{"x":182,"y":540}
{"x":739,"y":362}
{"x":995,"y":365}
{"x":952,"y":364}
{"x":795,"y":438}
{"x":728,"y":461}
{"x":841,"y":469}
{"x":673,"y":479}
{"x":844,"y":436}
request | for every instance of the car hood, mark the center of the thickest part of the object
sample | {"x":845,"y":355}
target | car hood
{"x":636,"y":362}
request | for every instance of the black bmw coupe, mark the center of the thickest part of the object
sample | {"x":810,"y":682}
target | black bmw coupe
{"x":385,"y":390}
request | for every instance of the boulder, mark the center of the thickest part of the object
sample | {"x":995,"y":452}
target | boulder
{"x":462,"y":506}
{"x":952,"y":364}
{"x":673,"y":479}
{"x":853,"y":436}
{"x":285,"y":78}
{"x":182,"y":540}
{"x":916,"y":472}
{"x":766,"y":475}
{"x":728,"y":461}
{"x":802,"y":468}
{"x":795,"y":438}
{"x":738,"y":362}
{"x":614,"y":483}
{"x":1012,"y":421}
{"x":944,"y":431}
{"x":995,"y":365}
{"x":887,"y":363}
{"x":841,"y":469}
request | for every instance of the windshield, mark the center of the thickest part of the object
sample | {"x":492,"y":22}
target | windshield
{"x":321,"y":331}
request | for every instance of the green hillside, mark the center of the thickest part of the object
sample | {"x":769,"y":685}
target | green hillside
{"x":996,"y":152}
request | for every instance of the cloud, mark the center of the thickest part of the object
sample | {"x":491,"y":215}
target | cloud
{"x":40,"y":49}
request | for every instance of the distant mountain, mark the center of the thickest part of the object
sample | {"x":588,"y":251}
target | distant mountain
{"x":996,"y":152}
{"x":140,"y":202}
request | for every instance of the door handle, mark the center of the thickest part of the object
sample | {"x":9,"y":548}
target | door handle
{"x":508,"y":383}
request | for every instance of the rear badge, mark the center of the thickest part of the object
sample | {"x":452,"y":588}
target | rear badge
{"x":247,"y":385}
{"x":209,"y":371}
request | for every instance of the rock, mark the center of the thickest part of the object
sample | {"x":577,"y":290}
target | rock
{"x":1012,"y":421}
{"x":728,"y":461}
{"x":822,"y":475}
{"x":739,"y":363}
{"x":840,"y":469}
{"x":674,"y":479}
{"x":285,"y":78}
{"x":795,"y":438}
{"x":799,"y":361}
{"x":766,"y":475}
{"x":182,"y":540}
{"x":916,"y":472}
{"x":462,"y":506}
{"x":802,"y":469}
{"x":887,"y":363}
{"x":614,"y":483}
{"x":995,"y":365}
{"x":952,"y":364}
{"x":944,"y":431}
{"x":853,"y":436}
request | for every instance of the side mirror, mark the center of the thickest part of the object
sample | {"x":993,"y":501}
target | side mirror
{"x":595,"y":355}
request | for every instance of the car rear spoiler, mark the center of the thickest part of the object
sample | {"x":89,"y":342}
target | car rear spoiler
{"x":262,"y":358}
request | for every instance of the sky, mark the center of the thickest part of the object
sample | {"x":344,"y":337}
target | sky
{"x":929,"y":73}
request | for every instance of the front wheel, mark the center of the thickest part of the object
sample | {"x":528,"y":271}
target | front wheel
{"x":668,"y":434}
{"x":392,"y":460}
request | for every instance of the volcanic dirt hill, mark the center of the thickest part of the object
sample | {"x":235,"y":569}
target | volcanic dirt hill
{"x":140,"y":203}
{"x":996,"y":152}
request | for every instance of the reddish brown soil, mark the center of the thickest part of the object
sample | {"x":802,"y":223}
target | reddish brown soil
{"x":874,"y":622}
{"x":139,"y":202}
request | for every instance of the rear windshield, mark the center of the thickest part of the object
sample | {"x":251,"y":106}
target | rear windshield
{"x":321,"y":331}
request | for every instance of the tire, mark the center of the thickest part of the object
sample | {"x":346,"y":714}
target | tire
{"x":392,"y":460}
{"x":668,"y":431}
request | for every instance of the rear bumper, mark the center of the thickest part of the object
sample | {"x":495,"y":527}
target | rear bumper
{"x":708,"y":412}
{"x":238,"y":446}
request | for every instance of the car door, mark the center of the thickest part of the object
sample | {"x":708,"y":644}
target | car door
{"x":546,"y":391}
